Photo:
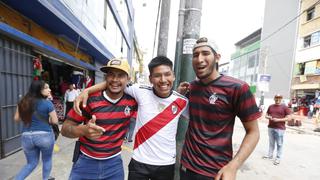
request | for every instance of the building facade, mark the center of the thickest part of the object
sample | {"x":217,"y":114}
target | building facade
{"x":277,"y":46}
{"x":59,"y":41}
{"x":245,"y":61}
{"x":306,"y":76}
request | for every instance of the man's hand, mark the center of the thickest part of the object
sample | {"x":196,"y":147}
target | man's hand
{"x":227,"y":173}
{"x":93,"y":131}
{"x":183,"y":88}
{"x":268,"y":117}
{"x":83,"y":97}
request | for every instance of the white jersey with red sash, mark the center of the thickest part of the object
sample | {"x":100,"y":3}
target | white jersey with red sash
{"x":156,"y":126}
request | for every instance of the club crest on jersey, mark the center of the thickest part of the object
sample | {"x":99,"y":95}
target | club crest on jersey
{"x":213,"y":98}
{"x":174,"y":109}
{"x":127,"y":111}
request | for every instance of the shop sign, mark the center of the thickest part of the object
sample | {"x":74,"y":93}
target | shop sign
{"x":263,"y":82}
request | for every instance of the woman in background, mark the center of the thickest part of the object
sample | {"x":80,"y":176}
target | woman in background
{"x":36,"y":113}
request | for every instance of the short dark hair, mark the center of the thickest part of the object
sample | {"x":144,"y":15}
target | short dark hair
{"x":159,"y":60}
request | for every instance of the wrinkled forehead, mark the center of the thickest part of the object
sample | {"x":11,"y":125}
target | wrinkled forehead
{"x":203,"y":49}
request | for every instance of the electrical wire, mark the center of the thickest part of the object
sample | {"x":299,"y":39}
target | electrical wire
{"x":286,"y":24}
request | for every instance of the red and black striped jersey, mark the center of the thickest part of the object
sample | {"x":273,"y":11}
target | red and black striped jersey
{"x":213,"y":108}
{"x":278,"y":111}
{"x":113,"y":117}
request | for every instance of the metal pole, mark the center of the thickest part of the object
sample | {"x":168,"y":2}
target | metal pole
{"x":177,"y":61}
{"x":190,"y":34}
{"x":191,"y":31}
{"x":265,"y":57}
{"x":164,"y":28}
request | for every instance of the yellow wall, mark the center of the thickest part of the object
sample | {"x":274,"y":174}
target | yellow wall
{"x":14,"y":19}
{"x":313,"y":25}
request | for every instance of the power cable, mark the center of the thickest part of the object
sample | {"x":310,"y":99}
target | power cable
{"x":286,"y":24}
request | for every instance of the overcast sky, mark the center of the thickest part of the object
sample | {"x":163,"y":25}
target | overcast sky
{"x":226,"y":22}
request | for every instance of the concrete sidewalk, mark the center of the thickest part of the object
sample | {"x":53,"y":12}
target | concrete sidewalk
{"x":11,"y":165}
{"x":62,"y":161}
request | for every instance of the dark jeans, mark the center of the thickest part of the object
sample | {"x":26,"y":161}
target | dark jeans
{"x":129,"y":133}
{"x":186,"y":174}
{"x":69,"y":106}
{"x":141,"y":171}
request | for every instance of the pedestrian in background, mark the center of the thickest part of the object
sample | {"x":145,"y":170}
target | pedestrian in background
{"x":37,"y":135}
{"x":69,"y":96}
{"x":311,"y":111}
{"x":277,"y":114}
{"x":214,"y":102}
{"x":102,"y":129}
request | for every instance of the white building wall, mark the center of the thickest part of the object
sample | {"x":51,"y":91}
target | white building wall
{"x":91,"y":14}
{"x":278,"y":46}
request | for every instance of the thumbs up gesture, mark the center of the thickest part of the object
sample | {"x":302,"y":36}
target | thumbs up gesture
{"x":93,"y":131}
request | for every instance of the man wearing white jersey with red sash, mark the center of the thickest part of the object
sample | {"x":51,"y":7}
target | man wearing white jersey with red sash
{"x":159,"y":108}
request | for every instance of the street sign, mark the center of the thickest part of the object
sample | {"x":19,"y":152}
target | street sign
{"x":188,"y":46}
{"x":263,"y":82}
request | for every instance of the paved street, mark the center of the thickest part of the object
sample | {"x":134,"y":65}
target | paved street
{"x":300,"y":157}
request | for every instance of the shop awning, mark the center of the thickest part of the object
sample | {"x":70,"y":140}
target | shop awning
{"x":20,"y":36}
{"x":305,"y":86}
{"x":55,"y":17}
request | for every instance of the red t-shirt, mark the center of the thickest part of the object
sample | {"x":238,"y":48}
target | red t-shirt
{"x":278,"y":111}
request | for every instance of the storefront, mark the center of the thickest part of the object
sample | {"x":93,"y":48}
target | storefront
{"x":305,"y":93}
{"x":20,"y":58}
{"x":59,"y":75}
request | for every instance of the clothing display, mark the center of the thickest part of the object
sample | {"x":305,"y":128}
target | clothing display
{"x":58,"y":105}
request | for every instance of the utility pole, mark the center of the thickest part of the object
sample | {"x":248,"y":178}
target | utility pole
{"x":183,"y":66}
{"x":177,"y":61}
{"x":191,"y":31}
{"x":264,"y":56}
{"x":164,"y":28}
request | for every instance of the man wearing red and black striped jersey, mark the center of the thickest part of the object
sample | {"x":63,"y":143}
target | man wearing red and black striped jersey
{"x":214,"y":102}
{"x":102,"y":129}
{"x":113,"y":117}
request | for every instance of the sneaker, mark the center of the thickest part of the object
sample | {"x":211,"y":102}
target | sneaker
{"x":266,"y":157}
{"x":51,"y":178}
{"x":276,"y":161}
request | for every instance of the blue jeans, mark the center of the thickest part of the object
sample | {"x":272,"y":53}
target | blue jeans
{"x":275,"y":137}
{"x":33,"y":143}
{"x":89,"y":168}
